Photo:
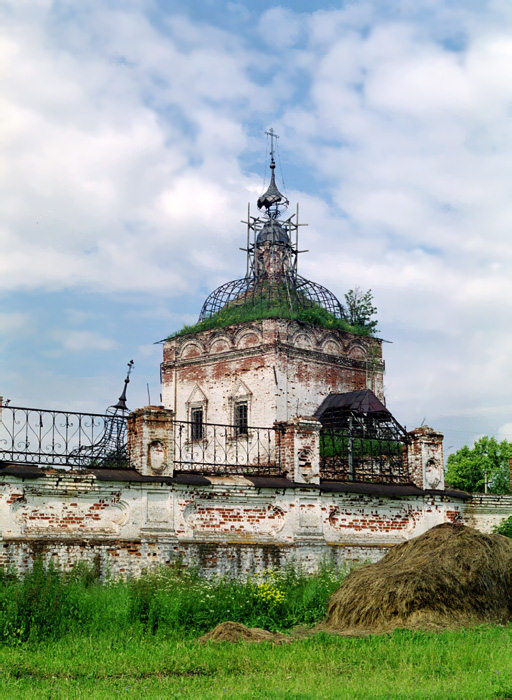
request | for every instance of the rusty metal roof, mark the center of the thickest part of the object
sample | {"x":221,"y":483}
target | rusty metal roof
{"x":22,"y":471}
{"x":124,"y":474}
{"x":276,"y":482}
{"x":363,"y":401}
{"x":389,"y":489}
{"x":34,"y":472}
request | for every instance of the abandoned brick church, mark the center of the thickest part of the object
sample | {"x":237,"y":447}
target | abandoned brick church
{"x":273,"y":442}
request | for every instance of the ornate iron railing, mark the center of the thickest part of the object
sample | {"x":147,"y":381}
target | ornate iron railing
{"x":216,"y":448}
{"x":89,"y":440}
{"x":358,"y":449}
{"x":62,"y":438}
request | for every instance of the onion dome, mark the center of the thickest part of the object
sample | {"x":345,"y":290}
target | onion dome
{"x":272,"y":197}
{"x":272,"y":232}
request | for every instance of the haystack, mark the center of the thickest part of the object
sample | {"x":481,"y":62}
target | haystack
{"x":236,"y":632}
{"x":450,"y":576}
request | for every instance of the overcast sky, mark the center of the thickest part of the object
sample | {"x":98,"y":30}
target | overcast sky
{"x":132,"y":139}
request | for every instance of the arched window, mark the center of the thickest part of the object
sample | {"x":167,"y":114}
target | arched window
{"x":240,"y":401}
{"x":196,"y":414}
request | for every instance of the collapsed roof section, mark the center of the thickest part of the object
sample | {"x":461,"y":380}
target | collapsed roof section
{"x":360,"y":440}
{"x":362,"y":405}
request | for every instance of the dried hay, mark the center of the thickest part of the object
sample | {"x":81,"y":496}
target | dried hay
{"x":450,"y":576}
{"x":236,"y":632}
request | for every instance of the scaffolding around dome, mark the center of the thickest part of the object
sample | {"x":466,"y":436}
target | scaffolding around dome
{"x":271,"y":286}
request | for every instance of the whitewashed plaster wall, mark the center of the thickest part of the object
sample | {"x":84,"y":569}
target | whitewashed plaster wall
{"x":282,"y":367}
{"x":230,"y":526}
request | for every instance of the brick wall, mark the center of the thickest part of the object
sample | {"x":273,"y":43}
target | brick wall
{"x":485,"y":511}
{"x":231,"y":525}
{"x":151,"y":440}
{"x":283,"y":367}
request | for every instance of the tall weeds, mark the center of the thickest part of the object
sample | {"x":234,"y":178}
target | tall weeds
{"x":47,"y":603}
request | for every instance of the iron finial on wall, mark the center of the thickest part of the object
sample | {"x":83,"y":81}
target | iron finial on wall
{"x":121,"y":404}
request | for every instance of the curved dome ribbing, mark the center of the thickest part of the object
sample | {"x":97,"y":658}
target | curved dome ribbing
{"x":290,"y":293}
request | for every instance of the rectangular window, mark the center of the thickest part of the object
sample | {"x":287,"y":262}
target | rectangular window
{"x":241,"y":427}
{"x":196,"y":420}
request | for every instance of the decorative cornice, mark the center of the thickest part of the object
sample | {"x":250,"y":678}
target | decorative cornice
{"x":267,"y":348}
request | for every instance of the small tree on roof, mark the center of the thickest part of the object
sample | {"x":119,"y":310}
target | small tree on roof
{"x":360,"y":309}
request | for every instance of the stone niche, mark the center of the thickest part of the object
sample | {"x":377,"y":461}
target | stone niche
{"x":426,"y":465}
{"x":157,"y":457}
{"x":150,"y":440}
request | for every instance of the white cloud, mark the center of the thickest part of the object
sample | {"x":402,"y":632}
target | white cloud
{"x":279,"y":28}
{"x":13,"y":322}
{"x":413,"y":139}
{"x":123,"y":168}
{"x":505,"y":432}
{"x":150,"y":350}
{"x":101,"y":133}
{"x":85,"y":341}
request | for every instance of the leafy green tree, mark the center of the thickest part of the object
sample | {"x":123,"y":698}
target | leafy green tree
{"x":468,"y":468}
{"x":360,"y":309}
{"x":505,"y":527}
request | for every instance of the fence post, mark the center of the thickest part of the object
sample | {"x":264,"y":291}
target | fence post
{"x":299,"y":441}
{"x":425,"y":456}
{"x":151,"y":440}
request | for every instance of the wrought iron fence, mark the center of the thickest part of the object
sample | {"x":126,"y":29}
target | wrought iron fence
{"x":216,"y":448}
{"x":62,"y":438}
{"x":89,"y":440}
{"x":358,"y":448}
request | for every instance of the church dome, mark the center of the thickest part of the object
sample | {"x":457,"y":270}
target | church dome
{"x":272,"y":288}
{"x":286,"y":295}
{"x":272,"y":232}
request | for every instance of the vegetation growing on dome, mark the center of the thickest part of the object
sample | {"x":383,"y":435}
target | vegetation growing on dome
{"x":278,"y":308}
{"x":360,"y":309}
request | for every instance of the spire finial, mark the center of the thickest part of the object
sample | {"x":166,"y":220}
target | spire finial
{"x":122,"y":399}
{"x":273,"y":136}
{"x":272,"y":197}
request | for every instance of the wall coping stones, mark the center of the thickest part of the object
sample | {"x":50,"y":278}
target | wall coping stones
{"x":259,"y":482}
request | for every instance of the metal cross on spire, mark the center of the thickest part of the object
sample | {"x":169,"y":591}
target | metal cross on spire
{"x":273,"y":136}
{"x":272,"y":199}
{"x":121,"y":404}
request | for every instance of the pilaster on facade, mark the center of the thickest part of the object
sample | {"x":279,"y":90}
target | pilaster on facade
{"x":158,"y":513}
{"x":300,"y":449}
{"x":426,"y":465}
{"x":151,"y":441}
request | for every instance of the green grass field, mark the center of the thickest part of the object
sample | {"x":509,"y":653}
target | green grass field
{"x":456,"y":664}
{"x":70,"y":635}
